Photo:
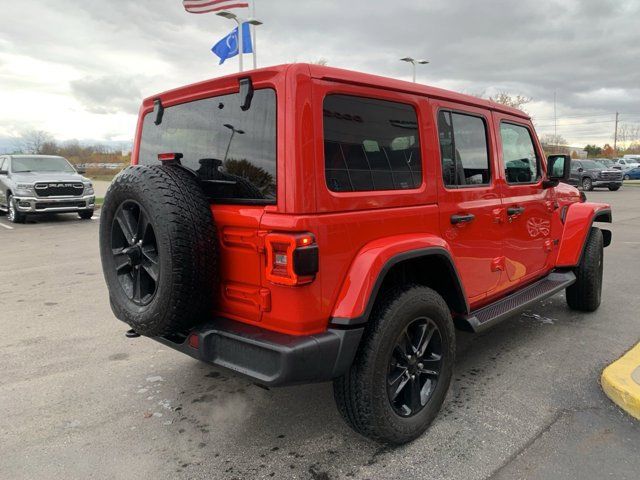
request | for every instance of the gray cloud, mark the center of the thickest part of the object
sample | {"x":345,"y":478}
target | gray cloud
{"x":586,"y":51}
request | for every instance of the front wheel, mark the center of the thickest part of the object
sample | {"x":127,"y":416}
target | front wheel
{"x":14,"y":215}
{"x":627,"y":177}
{"x":585,"y":294}
{"x":587,"y":184}
{"x":402,"y":371}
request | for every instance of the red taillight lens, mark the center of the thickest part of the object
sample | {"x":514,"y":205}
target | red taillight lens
{"x":292,"y":259}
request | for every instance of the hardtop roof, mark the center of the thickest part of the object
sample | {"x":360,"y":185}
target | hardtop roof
{"x":349,"y":76}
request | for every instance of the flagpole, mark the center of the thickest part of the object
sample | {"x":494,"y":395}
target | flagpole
{"x":240,"y":46}
{"x":253,"y":30}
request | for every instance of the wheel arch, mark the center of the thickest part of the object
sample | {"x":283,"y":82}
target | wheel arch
{"x":578,"y":221}
{"x":377,"y":268}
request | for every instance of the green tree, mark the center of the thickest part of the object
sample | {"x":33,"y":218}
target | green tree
{"x":593,"y":150}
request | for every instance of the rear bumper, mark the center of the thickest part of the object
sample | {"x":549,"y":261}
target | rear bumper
{"x":54,"y":204}
{"x":270,"y":358}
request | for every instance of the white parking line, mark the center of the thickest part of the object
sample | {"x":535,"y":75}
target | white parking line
{"x":6,"y":226}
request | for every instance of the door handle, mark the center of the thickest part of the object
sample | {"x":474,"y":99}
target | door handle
{"x":462,"y":218}
{"x":511,"y":211}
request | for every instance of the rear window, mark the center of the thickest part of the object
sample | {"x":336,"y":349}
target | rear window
{"x":232,"y":151}
{"x":370,"y":145}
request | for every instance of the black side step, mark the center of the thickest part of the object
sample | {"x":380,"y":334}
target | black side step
{"x":494,"y":313}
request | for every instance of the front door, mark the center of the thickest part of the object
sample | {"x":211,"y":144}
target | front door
{"x":528,"y":206}
{"x":469,"y":199}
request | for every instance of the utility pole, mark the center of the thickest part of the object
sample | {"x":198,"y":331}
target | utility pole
{"x":615,"y":137}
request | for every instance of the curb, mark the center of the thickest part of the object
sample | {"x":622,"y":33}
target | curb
{"x":621,"y":382}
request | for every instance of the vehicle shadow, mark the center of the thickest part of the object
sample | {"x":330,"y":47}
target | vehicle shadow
{"x":298,"y":428}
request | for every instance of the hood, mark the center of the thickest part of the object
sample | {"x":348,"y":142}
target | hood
{"x":47,"y":177}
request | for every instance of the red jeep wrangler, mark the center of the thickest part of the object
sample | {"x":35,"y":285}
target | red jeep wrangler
{"x":302,"y":223}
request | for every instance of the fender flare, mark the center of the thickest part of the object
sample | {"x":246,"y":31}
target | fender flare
{"x":578,"y":221}
{"x":372,"y":263}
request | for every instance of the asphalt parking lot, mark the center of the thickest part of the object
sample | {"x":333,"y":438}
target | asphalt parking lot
{"x":79,"y":400}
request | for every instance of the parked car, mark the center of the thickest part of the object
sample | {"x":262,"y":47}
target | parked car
{"x":627,"y":163}
{"x":589,"y":174}
{"x":309,"y":224}
{"x":632,"y":174}
{"x":43,"y":184}
{"x":607,"y":162}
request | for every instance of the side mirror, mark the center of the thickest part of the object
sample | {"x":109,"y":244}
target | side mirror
{"x":81,"y":171}
{"x":580,"y":169}
{"x":4,"y":172}
{"x":558,"y":169}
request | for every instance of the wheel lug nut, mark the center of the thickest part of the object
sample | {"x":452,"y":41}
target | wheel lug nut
{"x":413,"y":377}
{"x":420,"y":365}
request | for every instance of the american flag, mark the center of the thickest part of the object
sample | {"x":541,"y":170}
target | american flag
{"x":206,"y":6}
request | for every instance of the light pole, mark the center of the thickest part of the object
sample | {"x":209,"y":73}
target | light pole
{"x":234,"y":130}
{"x":240,"y":21}
{"x":413,"y":62}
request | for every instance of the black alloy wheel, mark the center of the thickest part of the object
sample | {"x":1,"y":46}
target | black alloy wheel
{"x":135,"y":253}
{"x":415,"y":366}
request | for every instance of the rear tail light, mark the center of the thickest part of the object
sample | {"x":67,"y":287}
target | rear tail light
{"x":292,"y":259}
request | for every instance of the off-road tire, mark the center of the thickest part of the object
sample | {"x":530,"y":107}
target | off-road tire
{"x":587,"y":184}
{"x":586,"y":293}
{"x":615,"y":188}
{"x":85,"y":214}
{"x":186,"y":239}
{"x":361,"y":394}
{"x":13,"y":215}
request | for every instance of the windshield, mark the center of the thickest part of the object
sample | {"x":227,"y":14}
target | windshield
{"x":232,"y":151}
{"x":592,"y":165}
{"x":41,"y":164}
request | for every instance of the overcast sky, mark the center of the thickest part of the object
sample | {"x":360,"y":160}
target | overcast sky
{"x":79,"y":68}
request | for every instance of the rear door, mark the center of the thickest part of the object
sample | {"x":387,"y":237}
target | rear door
{"x":528,"y":206}
{"x":469,"y":197}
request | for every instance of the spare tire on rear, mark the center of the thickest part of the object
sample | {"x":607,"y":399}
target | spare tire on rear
{"x":158,"y":246}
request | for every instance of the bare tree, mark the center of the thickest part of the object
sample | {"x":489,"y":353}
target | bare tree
{"x":551,"y":139}
{"x":628,"y":134}
{"x":515,"y":101}
{"x":321,"y":61}
{"x":33,"y":141}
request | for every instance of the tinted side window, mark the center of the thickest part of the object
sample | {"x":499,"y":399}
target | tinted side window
{"x":521,"y":162}
{"x":370,"y":145}
{"x":3,"y":164}
{"x":463,"y":149}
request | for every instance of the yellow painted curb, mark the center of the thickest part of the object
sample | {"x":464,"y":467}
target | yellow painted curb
{"x":621,"y":382}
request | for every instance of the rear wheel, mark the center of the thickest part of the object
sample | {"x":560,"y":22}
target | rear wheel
{"x":403,"y":368}
{"x":627,"y":177}
{"x":587,"y":184}
{"x":586,"y":293}
{"x":13,"y":215}
{"x":158,"y":249}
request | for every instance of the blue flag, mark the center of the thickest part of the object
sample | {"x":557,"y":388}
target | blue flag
{"x":228,"y":46}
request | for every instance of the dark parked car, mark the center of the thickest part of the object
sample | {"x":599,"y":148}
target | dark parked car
{"x":633,"y":174}
{"x":590,"y":174}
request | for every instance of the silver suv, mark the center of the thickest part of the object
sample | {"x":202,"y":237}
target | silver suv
{"x":43,"y":184}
